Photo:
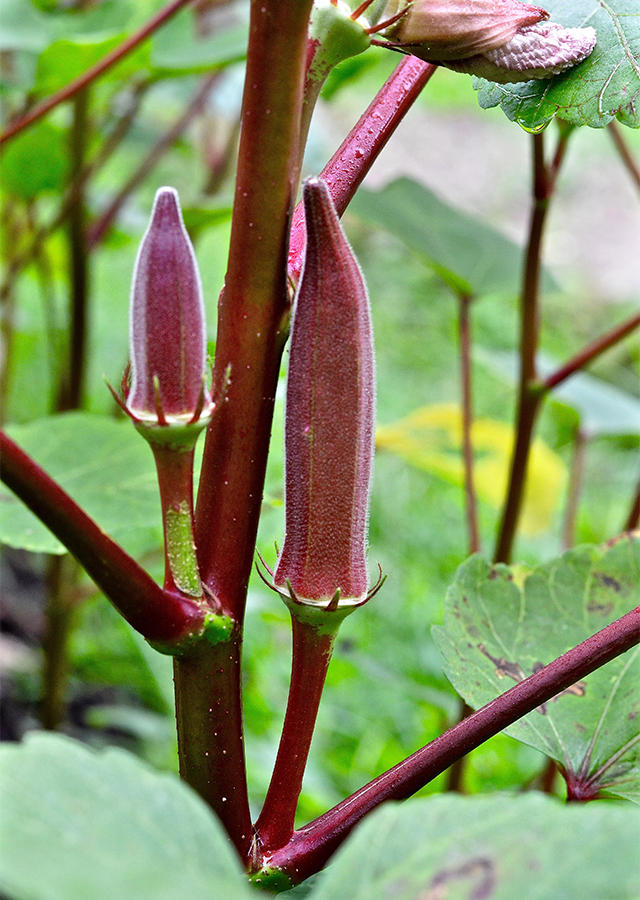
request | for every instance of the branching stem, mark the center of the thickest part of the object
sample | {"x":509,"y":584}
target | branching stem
{"x":310,"y":847}
{"x":93,"y":72}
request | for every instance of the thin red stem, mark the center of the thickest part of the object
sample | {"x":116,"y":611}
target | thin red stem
{"x":467,"y":421}
{"x":350,"y":163}
{"x":93,"y":72}
{"x":158,"y":615}
{"x":591,"y":352}
{"x":311,"y":656}
{"x":529,"y":394}
{"x":310,"y":847}
{"x":629,"y":162}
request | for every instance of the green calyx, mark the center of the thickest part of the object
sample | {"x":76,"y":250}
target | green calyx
{"x":175,"y":434}
{"x":336,"y":37}
{"x":324,"y":616}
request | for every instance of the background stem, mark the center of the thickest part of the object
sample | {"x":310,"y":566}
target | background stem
{"x":93,"y":72}
{"x":62,"y":573}
{"x":467,"y":420}
{"x":529,"y":395}
{"x":71,"y":389}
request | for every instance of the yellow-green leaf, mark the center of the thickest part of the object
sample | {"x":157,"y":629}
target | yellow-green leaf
{"x":430,"y":438}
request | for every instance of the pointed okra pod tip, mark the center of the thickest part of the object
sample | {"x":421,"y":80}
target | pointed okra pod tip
{"x":167,"y":398}
{"x":329,"y":422}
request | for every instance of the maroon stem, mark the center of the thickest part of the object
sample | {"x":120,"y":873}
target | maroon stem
{"x":72,"y":387}
{"x":210,"y":743}
{"x":353,"y":159}
{"x":467,"y":420}
{"x":311,"y":656}
{"x":529,"y":394}
{"x":574,"y":490}
{"x":99,"y":228}
{"x":633,"y":519}
{"x":93,"y":72}
{"x":591,"y":352}
{"x":252,"y":317}
{"x":253,"y":307}
{"x":76,"y":189}
{"x":310,"y":847}
{"x":159,"y":616}
{"x":626,"y":157}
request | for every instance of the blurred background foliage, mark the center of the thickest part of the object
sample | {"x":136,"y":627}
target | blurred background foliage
{"x":470,"y":171}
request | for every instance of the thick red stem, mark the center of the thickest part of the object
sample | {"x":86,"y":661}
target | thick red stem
{"x":310,"y":847}
{"x":253,"y":306}
{"x":346,"y":169}
{"x":210,"y":743}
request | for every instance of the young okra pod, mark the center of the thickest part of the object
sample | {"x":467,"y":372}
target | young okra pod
{"x":330,"y":418}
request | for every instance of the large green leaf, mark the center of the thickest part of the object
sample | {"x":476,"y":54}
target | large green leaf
{"x":103,"y":464}
{"x":502,"y":624}
{"x":501,"y":847}
{"x":66,"y":59}
{"x":604,"y":86}
{"x":36,"y":161}
{"x":177,"y":47}
{"x":469,"y":255}
{"x":81,"y":825}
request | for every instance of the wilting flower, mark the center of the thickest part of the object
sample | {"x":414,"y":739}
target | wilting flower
{"x":502,"y":40}
{"x":330,"y":417}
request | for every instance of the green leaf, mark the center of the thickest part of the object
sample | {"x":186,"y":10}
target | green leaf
{"x":604,"y":86}
{"x":36,"y":161}
{"x":65,"y":59}
{"x":177,"y":47}
{"x":469,"y":255}
{"x":501,"y":847}
{"x":502,"y":624}
{"x":23,"y":27}
{"x":81,"y":825}
{"x":430,"y":438}
{"x":103,"y":464}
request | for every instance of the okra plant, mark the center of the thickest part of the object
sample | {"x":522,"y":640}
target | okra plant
{"x":544,"y":649}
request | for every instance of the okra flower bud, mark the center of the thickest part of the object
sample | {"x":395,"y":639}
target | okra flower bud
{"x":503,"y":40}
{"x":167,"y":324}
{"x":168,"y":401}
{"x":456,"y":29}
{"x":330,"y":418}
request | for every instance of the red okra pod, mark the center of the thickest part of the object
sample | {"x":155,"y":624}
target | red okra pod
{"x":330,"y":417}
